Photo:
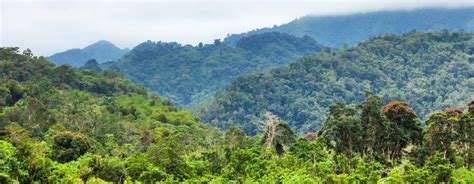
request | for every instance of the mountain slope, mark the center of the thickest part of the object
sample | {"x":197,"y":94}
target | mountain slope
{"x":429,"y":70}
{"x":191,"y":75}
{"x":63,"y":125}
{"x":335,"y":31}
{"x":102,"y":51}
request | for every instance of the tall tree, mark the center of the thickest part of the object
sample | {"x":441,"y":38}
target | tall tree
{"x":404,"y":125}
{"x":277,"y":134}
{"x":343,"y":129}
{"x":373,"y":125}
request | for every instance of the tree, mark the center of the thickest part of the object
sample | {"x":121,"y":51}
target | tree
{"x":217,"y":42}
{"x":404,"y":126}
{"x":450,"y":132}
{"x":234,"y":137}
{"x":373,"y":125}
{"x":440,"y":133}
{"x":68,"y":146}
{"x":30,"y":112}
{"x":28,"y":52}
{"x":440,"y":167}
{"x":465,"y":135}
{"x":13,"y":91}
{"x":168,"y":151}
{"x":314,"y":151}
{"x":343,"y":130}
{"x":92,"y":65}
{"x":10,"y":164}
{"x":277,"y":134}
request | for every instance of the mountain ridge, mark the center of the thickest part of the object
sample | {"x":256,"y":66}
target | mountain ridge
{"x":431,"y":69}
{"x":338,"y":30}
{"x":190,"y":75}
{"x":102,"y":51}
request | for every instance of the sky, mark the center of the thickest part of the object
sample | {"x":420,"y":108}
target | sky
{"x":47,"y":26}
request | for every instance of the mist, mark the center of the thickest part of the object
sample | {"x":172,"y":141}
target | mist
{"x":47,"y":27}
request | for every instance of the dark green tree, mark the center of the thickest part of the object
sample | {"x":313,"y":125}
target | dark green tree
{"x":404,"y":127}
{"x":68,"y":146}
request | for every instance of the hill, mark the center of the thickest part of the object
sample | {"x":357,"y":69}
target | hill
{"x":336,"y":31}
{"x":429,"y":70}
{"x":190,"y":75}
{"x":61,"y":124}
{"x":102,"y":51}
{"x":64,"y":125}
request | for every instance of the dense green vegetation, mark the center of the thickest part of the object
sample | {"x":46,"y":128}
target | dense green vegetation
{"x":431,"y":71}
{"x":63,"y":125}
{"x":102,"y":51}
{"x":336,"y":31}
{"x":190,"y":75}
{"x":60,"y":124}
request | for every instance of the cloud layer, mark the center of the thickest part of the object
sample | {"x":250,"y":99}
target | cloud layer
{"x":48,"y":27}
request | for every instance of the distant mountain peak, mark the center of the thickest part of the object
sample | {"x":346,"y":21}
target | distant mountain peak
{"x":102,"y":51}
{"x":101,"y":44}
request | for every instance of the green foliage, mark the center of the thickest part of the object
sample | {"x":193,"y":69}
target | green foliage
{"x":191,"y":75}
{"x":101,"y":51}
{"x":451,"y":133}
{"x":112,"y":169}
{"x":343,"y":129}
{"x":342,"y":30}
{"x":404,"y":125}
{"x":277,"y":135}
{"x":463,"y":175}
{"x":64,"y":125}
{"x":92,"y":66}
{"x":430,"y":70}
{"x":369,"y":172}
{"x":407,"y":172}
{"x":69,"y":146}
{"x":440,"y":167}
{"x":11,"y":167}
{"x":60,"y":124}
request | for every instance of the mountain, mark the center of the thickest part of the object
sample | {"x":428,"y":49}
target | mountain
{"x":102,"y":51}
{"x":336,"y":31}
{"x":56,"y":122}
{"x":65,"y":125}
{"x":429,"y":70}
{"x":190,"y":75}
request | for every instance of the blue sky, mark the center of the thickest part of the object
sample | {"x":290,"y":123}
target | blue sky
{"x":48,"y":27}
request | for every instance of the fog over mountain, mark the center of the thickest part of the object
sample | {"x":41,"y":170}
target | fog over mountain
{"x":246,"y":91}
{"x":48,"y":27}
{"x":339,"y":30}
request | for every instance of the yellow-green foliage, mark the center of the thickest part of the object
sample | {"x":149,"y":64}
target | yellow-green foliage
{"x":64,"y":125}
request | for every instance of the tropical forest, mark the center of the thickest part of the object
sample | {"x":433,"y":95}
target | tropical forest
{"x":306,"y":101}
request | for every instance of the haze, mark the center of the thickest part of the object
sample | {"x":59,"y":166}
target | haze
{"x":48,"y":27}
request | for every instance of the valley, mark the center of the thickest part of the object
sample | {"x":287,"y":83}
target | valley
{"x":372,"y":97}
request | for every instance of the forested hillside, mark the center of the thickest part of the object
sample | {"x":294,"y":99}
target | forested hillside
{"x":190,"y":75}
{"x":63,"y":125}
{"x":336,"y":31}
{"x":102,"y":51}
{"x":431,"y":71}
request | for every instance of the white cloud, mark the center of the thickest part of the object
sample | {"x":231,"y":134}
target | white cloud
{"x":52,"y":26}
